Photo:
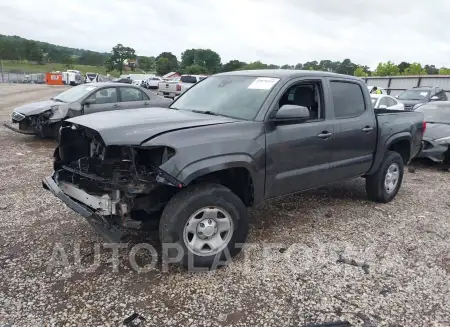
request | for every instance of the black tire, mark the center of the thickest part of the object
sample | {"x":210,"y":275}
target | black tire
{"x":375,"y":188}
{"x":186,"y":203}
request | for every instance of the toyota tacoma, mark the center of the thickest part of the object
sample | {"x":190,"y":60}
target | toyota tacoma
{"x":230,"y":142}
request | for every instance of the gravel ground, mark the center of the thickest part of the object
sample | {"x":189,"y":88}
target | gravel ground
{"x":288,"y":276}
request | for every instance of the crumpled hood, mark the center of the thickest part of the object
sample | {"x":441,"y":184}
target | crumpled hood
{"x":436,"y":131}
{"x":35,"y":108}
{"x":134,"y":126}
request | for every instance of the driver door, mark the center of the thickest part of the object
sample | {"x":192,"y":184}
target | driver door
{"x":104,"y":99}
{"x":298,"y":154}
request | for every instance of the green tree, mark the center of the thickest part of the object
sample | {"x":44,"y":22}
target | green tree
{"x":118,"y":55}
{"x":431,"y":69}
{"x":346,"y":67}
{"x":206,"y":58}
{"x":415,"y":69}
{"x":146,"y":63}
{"x":403,"y":66}
{"x":171,"y":65}
{"x":287,"y":67}
{"x":254,"y":65}
{"x":299,"y":66}
{"x":195,"y":69}
{"x":163,"y":66}
{"x":311,"y":65}
{"x":68,"y":61}
{"x":359,"y":71}
{"x":33,"y":51}
{"x":386,"y":69}
{"x":233,"y":65}
{"x":444,"y":71}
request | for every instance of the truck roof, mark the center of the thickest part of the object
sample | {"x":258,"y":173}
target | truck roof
{"x":286,"y":73}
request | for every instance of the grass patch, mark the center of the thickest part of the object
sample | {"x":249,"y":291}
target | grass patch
{"x":13,"y":66}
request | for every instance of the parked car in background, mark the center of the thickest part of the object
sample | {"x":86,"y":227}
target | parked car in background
{"x":175,"y":88}
{"x":44,"y":118}
{"x":125,"y":80}
{"x":73,"y":77}
{"x":382,"y":101}
{"x":153,"y":82}
{"x":383,"y":91}
{"x":230,"y":142}
{"x":437,"y":136}
{"x":415,"y":97}
{"x":92,"y":78}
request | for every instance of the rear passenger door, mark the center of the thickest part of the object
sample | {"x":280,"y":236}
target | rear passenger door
{"x":132,"y":97}
{"x":355,"y":130}
{"x":104,"y":99}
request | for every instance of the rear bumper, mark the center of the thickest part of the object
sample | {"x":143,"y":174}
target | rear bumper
{"x":105,"y":229}
{"x":17,"y":130}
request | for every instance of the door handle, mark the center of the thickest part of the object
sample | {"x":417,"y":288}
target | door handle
{"x":324,"y":135}
{"x":367,"y":129}
{"x":116,"y":106}
{"x":146,"y":103}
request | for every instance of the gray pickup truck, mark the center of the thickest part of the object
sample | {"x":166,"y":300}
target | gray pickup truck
{"x":230,"y":142}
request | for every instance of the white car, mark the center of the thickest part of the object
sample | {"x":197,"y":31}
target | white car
{"x":153,"y":82}
{"x":382,"y":101}
{"x":383,"y":91}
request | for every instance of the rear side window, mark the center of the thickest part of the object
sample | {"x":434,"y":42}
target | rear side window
{"x":348,"y":99}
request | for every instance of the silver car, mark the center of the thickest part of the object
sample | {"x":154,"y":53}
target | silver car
{"x":44,"y":118}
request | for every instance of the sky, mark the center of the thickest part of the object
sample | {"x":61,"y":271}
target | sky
{"x":274,"y":32}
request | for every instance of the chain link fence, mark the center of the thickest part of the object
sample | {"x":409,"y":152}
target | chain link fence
{"x":22,"y":78}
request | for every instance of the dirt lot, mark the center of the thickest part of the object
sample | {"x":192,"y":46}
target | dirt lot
{"x":404,"y":246}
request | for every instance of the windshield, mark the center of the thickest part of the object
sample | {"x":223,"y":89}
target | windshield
{"x":235,"y":96}
{"x":74,"y":94}
{"x":414,"y":95}
{"x":436,"y":113}
{"x":374,"y":100}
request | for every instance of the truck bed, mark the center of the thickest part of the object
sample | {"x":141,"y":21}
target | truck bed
{"x":409,"y":124}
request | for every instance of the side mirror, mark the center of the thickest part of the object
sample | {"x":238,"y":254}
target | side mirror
{"x":382,"y":106}
{"x":290,"y":112}
{"x":434,"y":98}
{"x":396,"y":96}
{"x":89,"y":101}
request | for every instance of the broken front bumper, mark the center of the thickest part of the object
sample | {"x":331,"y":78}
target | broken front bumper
{"x":104,"y":228}
{"x":21,"y":131}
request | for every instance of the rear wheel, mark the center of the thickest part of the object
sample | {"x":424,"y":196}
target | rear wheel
{"x":383,"y":186}
{"x":208,"y":222}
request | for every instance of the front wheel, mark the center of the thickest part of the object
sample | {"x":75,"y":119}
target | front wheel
{"x":383,"y":186}
{"x":204,"y":225}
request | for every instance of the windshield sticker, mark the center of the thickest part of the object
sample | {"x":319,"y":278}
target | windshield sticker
{"x":263,"y":83}
{"x":424,"y":94}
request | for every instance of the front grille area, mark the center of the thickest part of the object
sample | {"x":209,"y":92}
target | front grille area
{"x":17,"y":116}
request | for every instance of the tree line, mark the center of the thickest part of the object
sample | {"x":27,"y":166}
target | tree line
{"x":191,"y":61}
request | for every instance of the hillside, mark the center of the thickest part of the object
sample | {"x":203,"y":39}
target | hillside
{"x":20,"y":54}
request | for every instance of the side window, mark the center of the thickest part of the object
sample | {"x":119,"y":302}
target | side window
{"x":391,"y":102}
{"x":384,"y":102}
{"x":307,"y":95}
{"x":348,"y":99}
{"x":129,"y":94}
{"x":145,"y":97}
{"x":108,"y":95}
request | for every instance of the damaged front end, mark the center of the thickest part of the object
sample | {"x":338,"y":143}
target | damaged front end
{"x":119,"y":186}
{"x":39,"y":124}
